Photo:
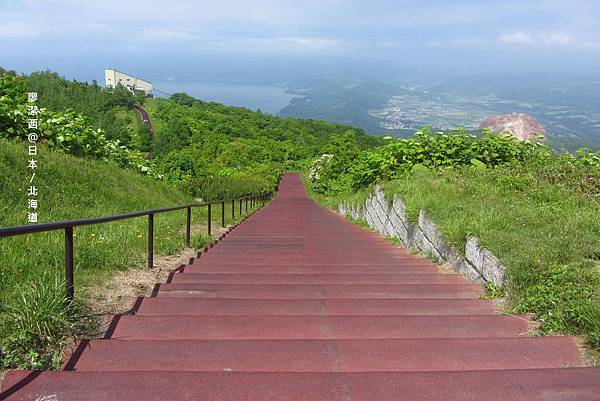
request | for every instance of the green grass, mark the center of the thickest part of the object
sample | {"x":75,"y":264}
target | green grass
{"x":74,"y":188}
{"x":545,"y":229}
{"x":36,"y":319}
{"x":40,"y":322}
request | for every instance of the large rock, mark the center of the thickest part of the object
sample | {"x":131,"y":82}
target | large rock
{"x":521,"y":125}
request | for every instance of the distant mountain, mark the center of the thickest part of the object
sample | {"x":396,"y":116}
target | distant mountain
{"x":340,"y":99}
{"x":568,"y":105}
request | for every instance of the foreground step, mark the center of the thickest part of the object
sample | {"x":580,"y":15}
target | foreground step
{"x":363,"y":307}
{"x":305,"y":268}
{"x":466,"y":291}
{"x":315,"y":327}
{"x":253,"y":259}
{"x":327,"y":355}
{"x":581,"y":384}
{"x":362,"y":279}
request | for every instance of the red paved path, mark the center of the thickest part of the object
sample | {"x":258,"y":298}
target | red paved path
{"x":298,"y":304}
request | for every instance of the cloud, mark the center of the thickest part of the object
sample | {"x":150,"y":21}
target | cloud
{"x":286,"y":43}
{"x":516,"y":38}
{"x":466,"y":42}
{"x":549,"y":39}
{"x":308,"y":43}
{"x":558,"y":38}
{"x":165,"y":35}
{"x":388,"y":44}
{"x":434,"y":43}
{"x":520,"y":38}
{"x":373,"y":30}
{"x":590,"y":45}
{"x":18,"y":30}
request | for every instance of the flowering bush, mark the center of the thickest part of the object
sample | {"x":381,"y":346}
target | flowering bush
{"x":318,"y":165}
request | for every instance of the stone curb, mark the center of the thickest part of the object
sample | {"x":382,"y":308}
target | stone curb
{"x":478,"y":264}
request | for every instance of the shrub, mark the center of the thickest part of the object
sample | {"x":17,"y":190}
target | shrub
{"x":345,"y":171}
{"x":233,"y":186}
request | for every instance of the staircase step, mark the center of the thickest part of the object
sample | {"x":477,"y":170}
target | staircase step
{"x":320,"y":291}
{"x":315,"y":327}
{"x":364,"y":307}
{"x":329,"y":355}
{"x":201,"y":266}
{"x":580,"y":384}
{"x":363,"y":279}
{"x":249,"y":259}
{"x":299,"y":304}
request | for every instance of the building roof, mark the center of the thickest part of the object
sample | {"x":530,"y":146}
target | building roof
{"x":132,"y":76}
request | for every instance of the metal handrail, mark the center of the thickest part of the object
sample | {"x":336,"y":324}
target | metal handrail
{"x":68,"y":226}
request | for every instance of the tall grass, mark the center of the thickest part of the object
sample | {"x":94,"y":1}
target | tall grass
{"x":39,"y":322}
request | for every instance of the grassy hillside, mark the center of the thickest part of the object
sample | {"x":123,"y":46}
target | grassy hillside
{"x":204,"y":147}
{"x":92,"y":163}
{"x":108,"y":110}
{"x":73,"y":188}
{"x":197,"y":141}
{"x":538,"y":212}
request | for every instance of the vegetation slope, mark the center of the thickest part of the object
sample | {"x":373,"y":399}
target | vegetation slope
{"x":539,"y":212}
{"x":92,"y":162}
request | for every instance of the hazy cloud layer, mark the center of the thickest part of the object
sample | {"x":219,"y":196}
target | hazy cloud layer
{"x":547,"y":34}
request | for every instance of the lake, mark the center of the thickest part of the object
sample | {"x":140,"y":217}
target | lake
{"x":268,"y":98}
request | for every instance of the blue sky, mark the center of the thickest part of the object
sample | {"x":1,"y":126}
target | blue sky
{"x":182,"y":37}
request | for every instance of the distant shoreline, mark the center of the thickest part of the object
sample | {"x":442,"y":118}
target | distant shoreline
{"x":268,"y":98}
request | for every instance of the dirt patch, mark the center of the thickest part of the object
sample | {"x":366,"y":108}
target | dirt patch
{"x":119,"y":294}
{"x":589,"y":356}
{"x":123,"y":288}
{"x":202,"y":229}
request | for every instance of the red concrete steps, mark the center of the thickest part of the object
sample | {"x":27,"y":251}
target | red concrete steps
{"x":301,"y":279}
{"x":296,"y":303}
{"x":250,"y":260}
{"x":381,"y":355}
{"x":577,"y":384}
{"x":193,"y":306}
{"x":312,"y":327}
{"x":358,"y":248}
{"x":281,"y":291}
{"x":199,"y":266}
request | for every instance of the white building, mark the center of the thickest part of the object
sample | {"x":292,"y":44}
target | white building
{"x":134,"y":84}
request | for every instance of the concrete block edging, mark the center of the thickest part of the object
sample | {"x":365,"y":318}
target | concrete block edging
{"x":478,"y":263}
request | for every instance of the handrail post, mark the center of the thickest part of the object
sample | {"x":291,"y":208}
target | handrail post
{"x":246,"y":205}
{"x":188,"y":228}
{"x":222,"y":213}
{"x":232,"y":211}
{"x":150,"y":240}
{"x":209,"y":219}
{"x":240,"y":207}
{"x":69,"y":263}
